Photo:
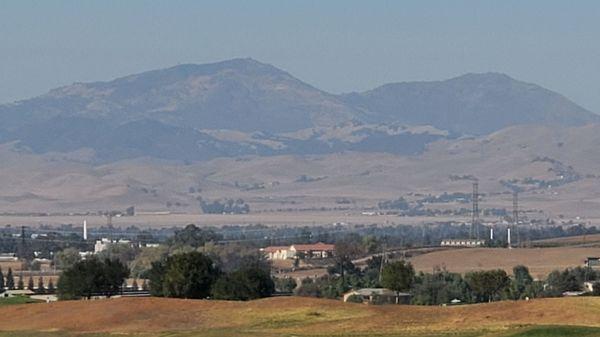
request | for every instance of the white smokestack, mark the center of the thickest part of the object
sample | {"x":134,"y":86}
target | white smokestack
{"x":85,"y":230}
{"x":508,"y":238}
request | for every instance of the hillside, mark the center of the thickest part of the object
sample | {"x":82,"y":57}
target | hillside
{"x":239,"y":94}
{"x":554,"y":167}
{"x":470,"y":104}
{"x":296,"y":317}
{"x":244,"y":107}
{"x":540,"y":261}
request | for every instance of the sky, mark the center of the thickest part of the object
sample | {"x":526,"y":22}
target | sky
{"x":338,"y":46}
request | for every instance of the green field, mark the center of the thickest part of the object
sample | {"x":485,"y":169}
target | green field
{"x":16,"y":300}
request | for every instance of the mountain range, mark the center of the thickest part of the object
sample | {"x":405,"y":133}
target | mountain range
{"x":244,"y":107}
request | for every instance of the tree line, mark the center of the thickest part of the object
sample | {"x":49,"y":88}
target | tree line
{"x":8,"y":283}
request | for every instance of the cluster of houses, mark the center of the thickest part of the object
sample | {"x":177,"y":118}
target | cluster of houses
{"x":303,"y":251}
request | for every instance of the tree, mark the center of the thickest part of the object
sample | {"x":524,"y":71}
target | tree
{"x":440,"y":287}
{"x":10,"y":279}
{"x":346,"y":249}
{"x":398,"y":276}
{"x":285,"y":285}
{"x":66,"y":258}
{"x":30,"y":284}
{"x":119,"y":251}
{"x":193,"y":236}
{"x":92,"y":277}
{"x":2,"y":285}
{"x":487,"y":285}
{"x":134,"y":285}
{"x":521,"y":282}
{"x":143,"y":261}
{"x":189,"y":275}
{"x":41,"y":289}
{"x":245,"y":284}
{"x":51,"y":286}
{"x":20,"y":283}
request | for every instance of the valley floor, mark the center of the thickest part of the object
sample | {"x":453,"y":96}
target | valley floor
{"x":294,"y":316}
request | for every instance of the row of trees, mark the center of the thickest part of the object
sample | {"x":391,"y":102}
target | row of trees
{"x":9,"y":283}
{"x":92,"y":277}
{"x":196,"y":275}
{"x":441,"y":286}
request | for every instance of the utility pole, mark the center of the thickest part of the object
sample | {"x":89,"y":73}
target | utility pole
{"x":516,"y":214}
{"x":22,"y":247}
{"x":383,"y":261}
{"x":475,"y":211}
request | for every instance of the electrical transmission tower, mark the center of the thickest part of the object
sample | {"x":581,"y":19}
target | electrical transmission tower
{"x":475,"y":212}
{"x":516,"y":215}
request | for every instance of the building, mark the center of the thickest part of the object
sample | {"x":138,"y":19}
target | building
{"x":104,"y":243}
{"x":377,"y":296}
{"x":17,"y":292}
{"x":314,"y":251}
{"x":462,"y":243}
{"x":302,"y":251}
{"x":277,"y":252}
{"x":8,"y":257}
{"x":592,"y":262}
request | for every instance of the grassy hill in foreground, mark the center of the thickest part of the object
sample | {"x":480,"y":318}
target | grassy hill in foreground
{"x":300,"y":317}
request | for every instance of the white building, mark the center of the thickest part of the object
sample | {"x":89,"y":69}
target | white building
{"x":310,"y":251}
{"x":462,"y":243}
{"x":103,"y":243}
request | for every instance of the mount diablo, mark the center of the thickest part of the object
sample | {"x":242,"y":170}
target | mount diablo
{"x":241,"y":107}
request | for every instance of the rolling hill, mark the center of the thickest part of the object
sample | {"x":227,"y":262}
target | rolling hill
{"x":294,"y":316}
{"x":470,"y":104}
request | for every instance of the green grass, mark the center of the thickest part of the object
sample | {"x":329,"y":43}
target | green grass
{"x":557,"y":331}
{"x":16,"y":300}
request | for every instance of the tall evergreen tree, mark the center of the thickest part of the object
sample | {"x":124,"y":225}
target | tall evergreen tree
{"x":10,"y":279}
{"x":41,"y":289}
{"x":30,"y":284}
{"x":51,"y":286}
{"x":20,"y":283}
{"x":1,"y":280}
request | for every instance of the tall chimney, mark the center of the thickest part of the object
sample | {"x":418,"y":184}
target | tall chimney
{"x":508,"y":238}
{"x":85,"y":230}
{"x":491,"y":234}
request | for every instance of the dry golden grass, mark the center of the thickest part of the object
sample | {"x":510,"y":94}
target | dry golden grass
{"x":571,"y":240}
{"x":541,"y":261}
{"x":292,"y":316}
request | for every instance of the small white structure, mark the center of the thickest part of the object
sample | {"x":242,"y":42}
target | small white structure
{"x":309,"y":251}
{"x":378,"y":296}
{"x":17,"y":292}
{"x":8,"y":257}
{"x":277,"y":252}
{"x":103,"y":243}
{"x":462,"y":243}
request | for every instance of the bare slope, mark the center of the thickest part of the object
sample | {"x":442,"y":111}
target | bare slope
{"x":555,"y":168}
{"x":540,"y":261}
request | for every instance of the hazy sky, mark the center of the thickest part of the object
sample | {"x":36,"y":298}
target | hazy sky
{"x":338,"y":46}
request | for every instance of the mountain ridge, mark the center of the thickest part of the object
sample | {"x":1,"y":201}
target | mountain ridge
{"x":172,"y":113}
